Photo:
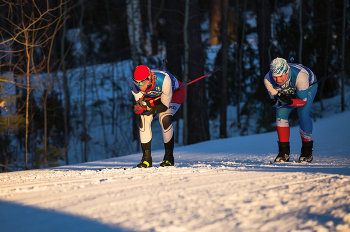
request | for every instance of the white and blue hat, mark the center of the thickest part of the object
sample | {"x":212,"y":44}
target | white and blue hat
{"x":279,"y":67}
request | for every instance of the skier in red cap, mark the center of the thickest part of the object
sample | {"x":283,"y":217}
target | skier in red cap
{"x":147,"y":85}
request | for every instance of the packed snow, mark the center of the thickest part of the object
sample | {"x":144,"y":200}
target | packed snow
{"x":219,"y":185}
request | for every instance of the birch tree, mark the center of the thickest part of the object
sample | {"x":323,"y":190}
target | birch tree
{"x":134,"y":32}
{"x":134,"y":29}
{"x":34,"y":28}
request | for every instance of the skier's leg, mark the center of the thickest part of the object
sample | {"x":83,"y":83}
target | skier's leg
{"x":306,"y":127}
{"x":168,"y":130}
{"x":168,"y":133}
{"x":304,"y":116}
{"x":282,"y":127}
{"x":282,"y":124}
{"x":146,"y":139}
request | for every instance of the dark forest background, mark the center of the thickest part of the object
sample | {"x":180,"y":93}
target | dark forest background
{"x":45,"y":118}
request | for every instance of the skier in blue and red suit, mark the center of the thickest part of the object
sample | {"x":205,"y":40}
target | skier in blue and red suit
{"x":289,"y":87}
{"x":147,"y":85}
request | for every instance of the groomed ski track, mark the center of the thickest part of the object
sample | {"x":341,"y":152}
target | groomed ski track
{"x":219,"y":185}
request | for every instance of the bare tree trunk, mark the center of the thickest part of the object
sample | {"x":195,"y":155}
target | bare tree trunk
{"x":134,"y":25}
{"x":26,"y":34}
{"x":111,"y":36}
{"x":343,"y":56}
{"x":134,"y":29}
{"x":236,"y":73}
{"x":215,"y":18}
{"x":100,"y":113}
{"x":273,"y":30}
{"x":197,"y":102}
{"x":65,"y":85}
{"x":84,"y":132}
{"x":264,"y":36}
{"x":224,"y":50}
{"x":186,"y":56}
{"x":301,"y":34}
{"x":150,"y":24}
{"x":241,"y":67}
{"x":8,"y":120}
{"x":175,"y":48}
{"x":27,"y":101}
{"x":329,"y":21}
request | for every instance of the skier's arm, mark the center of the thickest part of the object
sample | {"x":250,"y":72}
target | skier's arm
{"x":135,"y":91}
{"x":165,"y":98}
{"x":167,"y":92}
{"x":270,"y":89}
{"x":302,"y":86}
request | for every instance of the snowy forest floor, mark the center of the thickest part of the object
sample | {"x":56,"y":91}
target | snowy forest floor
{"x":219,"y":185}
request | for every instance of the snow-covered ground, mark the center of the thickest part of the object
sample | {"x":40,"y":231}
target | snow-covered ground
{"x":219,"y":185}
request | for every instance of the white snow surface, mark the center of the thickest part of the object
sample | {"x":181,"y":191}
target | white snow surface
{"x":219,"y":185}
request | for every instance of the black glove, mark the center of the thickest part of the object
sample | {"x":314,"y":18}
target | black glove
{"x":153,"y":109}
{"x":138,"y":109}
{"x":145,"y":104}
{"x":285,"y":98}
{"x":273,"y":101}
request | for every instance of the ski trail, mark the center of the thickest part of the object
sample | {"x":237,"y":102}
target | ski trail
{"x":194,"y":198}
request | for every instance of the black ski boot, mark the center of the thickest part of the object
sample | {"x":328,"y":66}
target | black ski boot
{"x":283,"y":153}
{"x":146,"y":161}
{"x":306,"y":152}
{"x":168,"y":159}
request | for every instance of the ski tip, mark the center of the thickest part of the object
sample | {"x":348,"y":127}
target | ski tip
{"x":221,"y":68}
{"x":165,"y":61}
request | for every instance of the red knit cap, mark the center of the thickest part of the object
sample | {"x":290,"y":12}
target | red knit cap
{"x":141,"y":73}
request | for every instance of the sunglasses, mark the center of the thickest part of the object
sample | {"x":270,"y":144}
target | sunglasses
{"x":141,"y":83}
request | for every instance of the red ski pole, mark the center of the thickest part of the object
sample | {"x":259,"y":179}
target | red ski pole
{"x":164,"y":61}
{"x":219,"y":69}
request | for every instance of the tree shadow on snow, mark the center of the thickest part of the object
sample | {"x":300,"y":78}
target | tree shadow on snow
{"x":16,"y":217}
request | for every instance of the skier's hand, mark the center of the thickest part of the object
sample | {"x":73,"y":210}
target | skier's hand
{"x":150,"y":108}
{"x":138,"y":109}
{"x":273,"y":101}
{"x":147,"y":105}
{"x":284,"y":99}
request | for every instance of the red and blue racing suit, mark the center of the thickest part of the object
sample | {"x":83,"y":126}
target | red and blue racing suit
{"x":297,"y":86}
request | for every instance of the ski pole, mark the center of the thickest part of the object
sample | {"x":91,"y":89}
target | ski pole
{"x":164,"y":61}
{"x":324,"y":78}
{"x":219,"y":69}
